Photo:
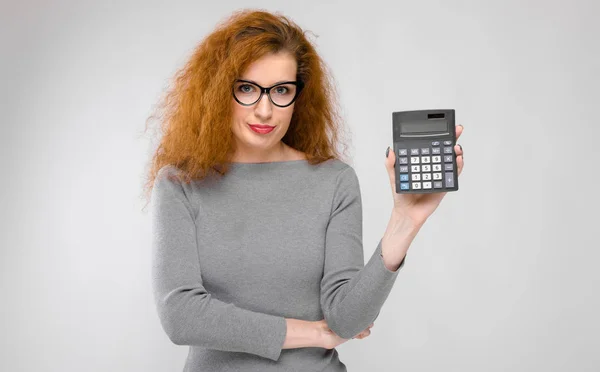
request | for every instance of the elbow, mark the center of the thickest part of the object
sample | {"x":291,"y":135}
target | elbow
{"x":177,"y":316}
{"x":341,"y":325}
{"x":177,"y":338}
{"x":172,"y":326}
{"x":342,"y":329}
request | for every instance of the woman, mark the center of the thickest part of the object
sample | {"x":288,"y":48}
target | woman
{"x":258,"y":259}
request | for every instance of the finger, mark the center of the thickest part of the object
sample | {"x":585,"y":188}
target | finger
{"x":362,"y":334}
{"x":459,"y":130}
{"x":390,"y":160}
{"x":458,"y":150}
{"x":459,"y":158}
{"x":359,"y":336}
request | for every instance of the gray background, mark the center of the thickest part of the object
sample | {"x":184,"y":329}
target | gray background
{"x":501,"y":278}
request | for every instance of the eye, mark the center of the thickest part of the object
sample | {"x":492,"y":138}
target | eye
{"x":281,"y":90}
{"x":243,"y":87}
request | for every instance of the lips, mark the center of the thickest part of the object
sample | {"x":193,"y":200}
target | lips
{"x":261,"y":126}
{"x":261,"y":129}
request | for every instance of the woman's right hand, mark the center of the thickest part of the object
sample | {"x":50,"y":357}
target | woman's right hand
{"x":330,"y":340}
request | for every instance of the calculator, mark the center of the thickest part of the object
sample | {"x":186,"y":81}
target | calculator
{"x":424,"y":148}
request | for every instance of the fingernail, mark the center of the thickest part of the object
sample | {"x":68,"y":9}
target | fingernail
{"x":387,"y":152}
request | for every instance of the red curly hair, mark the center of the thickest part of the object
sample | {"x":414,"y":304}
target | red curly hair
{"x":196,"y":113}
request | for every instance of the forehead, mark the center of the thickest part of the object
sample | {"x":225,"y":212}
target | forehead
{"x":272,"y":69}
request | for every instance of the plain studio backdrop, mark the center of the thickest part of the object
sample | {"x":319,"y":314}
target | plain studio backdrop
{"x":504,"y":275}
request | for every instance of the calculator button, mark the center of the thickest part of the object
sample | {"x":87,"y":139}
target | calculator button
{"x":437,"y":167}
{"x":404,"y":186}
{"x":447,"y":150}
{"x":448,"y":167}
{"x":437,"y":176}
{"x":436,"y":159}
{"x":426,"y":176}
{"x":403,"y":152}
{"x":404,"y":177}
{"x":435,"y":150}
{"x":426,"y":168}
{"x":447,"y":158}
{"x":425,"y":159}
{"x":404,"y":169}
{"x":447,"y":143}
{"x":415,"y":168}
{"x":425,"y":151}
{"x":435,"y":143}
{"x":403,"y":160}
{"x":416,"y":185}
{"x":416,"y":177}
{"x":449,"y":179}
{"x":414,"y":151}
{"x":437,"y":185}
{"x":414,"y":160}
{"x":426,"y":185}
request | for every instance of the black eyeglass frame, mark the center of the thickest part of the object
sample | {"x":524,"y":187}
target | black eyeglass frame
{"x":299,"y":85}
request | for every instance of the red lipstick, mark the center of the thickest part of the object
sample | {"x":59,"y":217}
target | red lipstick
{"x":260,"y":128}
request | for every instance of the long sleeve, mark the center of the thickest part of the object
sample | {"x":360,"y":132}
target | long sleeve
{"x":352,"y":293}
{"x":188,"y":313}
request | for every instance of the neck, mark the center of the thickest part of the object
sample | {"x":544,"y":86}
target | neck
{"x":277,"y":153}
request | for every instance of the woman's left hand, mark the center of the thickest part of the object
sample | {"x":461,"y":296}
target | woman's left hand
{"x":418,"y":207}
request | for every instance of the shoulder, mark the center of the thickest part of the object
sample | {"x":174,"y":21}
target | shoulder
{"x":169,"y":184}
{"x":168,"y":172}
{"x":340,"y":174}
{"x":170,"y":193}
{"x":334,"y":166}
{"x":345,"y":187}
{"x":340,"y":169}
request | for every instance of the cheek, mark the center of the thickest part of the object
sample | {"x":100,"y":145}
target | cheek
{"x":287,"y":114}
{"x":239,"y":114}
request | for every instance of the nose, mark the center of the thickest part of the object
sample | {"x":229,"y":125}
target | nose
{"x":263,"y":108}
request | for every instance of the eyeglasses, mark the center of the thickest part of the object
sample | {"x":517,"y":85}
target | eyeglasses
{"x":247,"y":93}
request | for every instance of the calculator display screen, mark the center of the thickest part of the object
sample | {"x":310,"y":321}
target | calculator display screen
{"x":424,"y":126}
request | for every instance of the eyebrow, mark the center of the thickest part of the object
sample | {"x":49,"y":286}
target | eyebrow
{"x":279,"y":82}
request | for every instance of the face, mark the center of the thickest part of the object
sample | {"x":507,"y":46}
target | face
{"x":266,"y":71}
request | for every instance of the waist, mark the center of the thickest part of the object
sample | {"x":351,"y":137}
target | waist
{"x":301,"y":359}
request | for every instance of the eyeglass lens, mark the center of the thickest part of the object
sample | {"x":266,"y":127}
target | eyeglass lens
{"x":248,"y":93}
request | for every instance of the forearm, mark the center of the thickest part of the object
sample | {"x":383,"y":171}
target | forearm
{"x":396,"y":240}
{"x":301,"y":333}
